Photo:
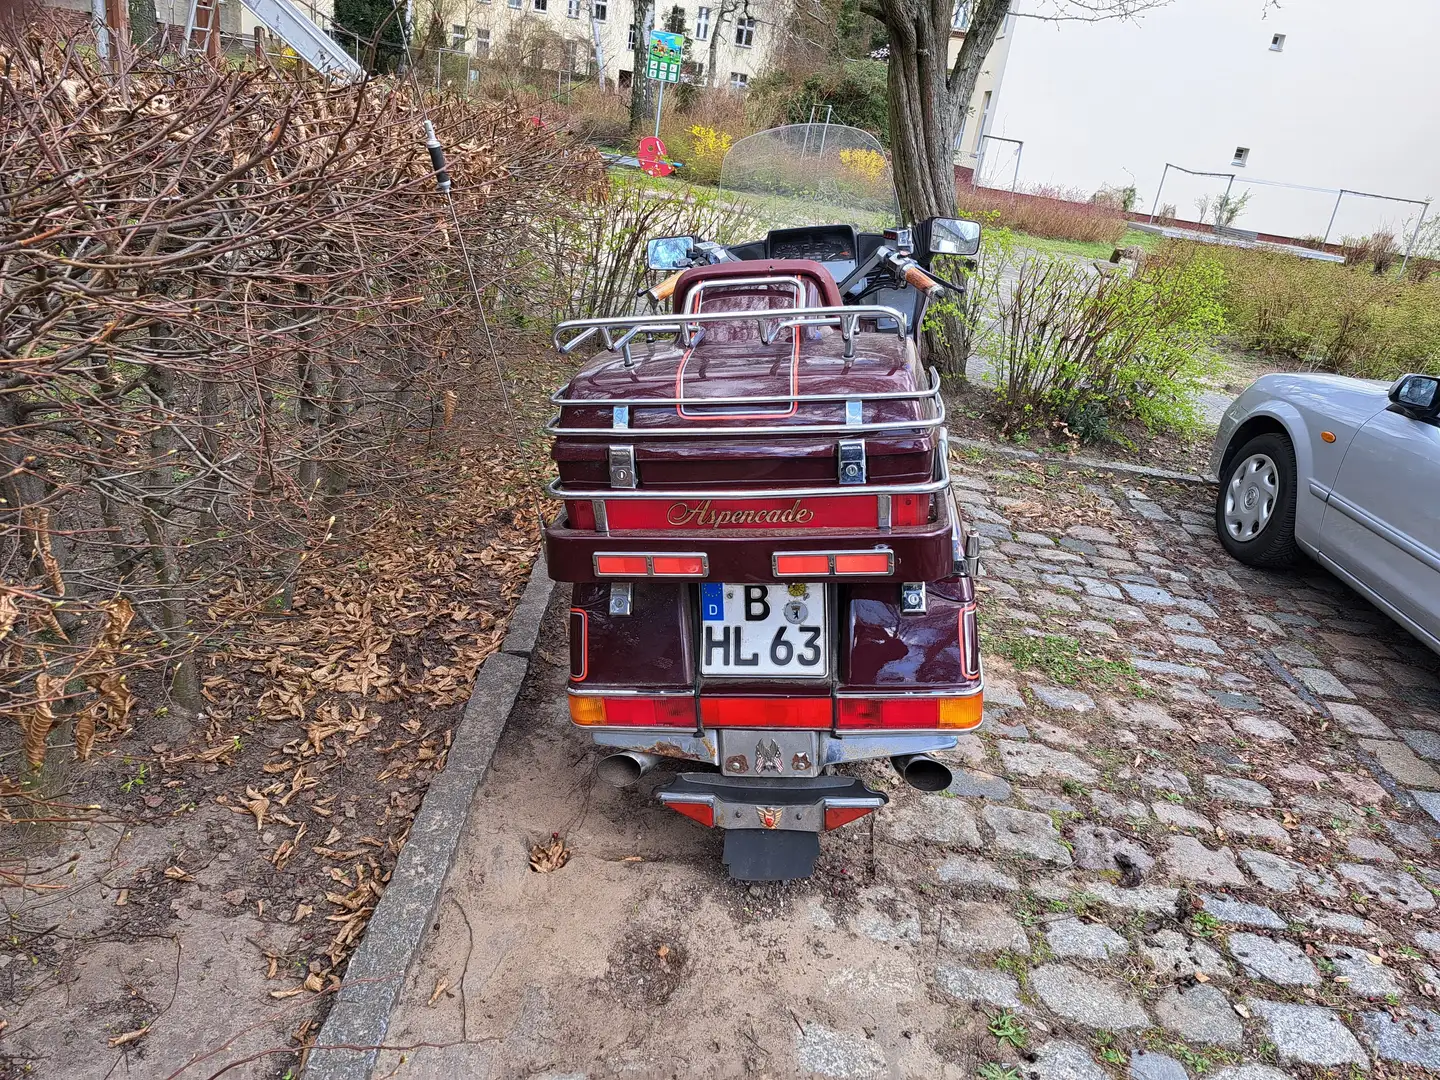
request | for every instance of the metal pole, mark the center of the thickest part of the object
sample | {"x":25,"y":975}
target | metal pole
{"x":829,"y":112}
{"x":1224,"y":206}
{"x":1156,"y":204}
{"x":1414,"y":237}
{"x":437,"y":69}
{"x":980,"y":160}
{"x":1019,"y":149}
{"x":659,"y":101}
{"x":1329,"y":228}
{"x":102,"y":29}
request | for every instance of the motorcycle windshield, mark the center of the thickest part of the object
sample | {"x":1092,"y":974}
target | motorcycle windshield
{"x":813,"y":174}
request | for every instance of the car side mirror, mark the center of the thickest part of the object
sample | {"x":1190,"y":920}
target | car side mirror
{"x":670,"y":252}
{"x":1418,"y":397}
{"x":954,"y":236}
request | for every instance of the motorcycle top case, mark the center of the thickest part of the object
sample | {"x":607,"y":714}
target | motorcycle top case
{"x":765,"y":428}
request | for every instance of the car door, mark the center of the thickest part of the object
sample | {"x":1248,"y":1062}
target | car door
{"x":1382,"y":519}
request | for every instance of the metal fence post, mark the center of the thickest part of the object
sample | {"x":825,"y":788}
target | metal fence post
{"x":1414,"y":238}
{"x":1156,"y":204}
{"x":1333,"y":213}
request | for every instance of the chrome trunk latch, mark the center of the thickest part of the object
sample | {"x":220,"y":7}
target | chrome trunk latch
{"x":852,"y":461}
{"x":622,"y":467}
{"x":621,"y":598}
{"x":913,"y":598}
{"x":972,"y":554}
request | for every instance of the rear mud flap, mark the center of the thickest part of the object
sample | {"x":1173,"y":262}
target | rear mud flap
{"x":770,"y":855}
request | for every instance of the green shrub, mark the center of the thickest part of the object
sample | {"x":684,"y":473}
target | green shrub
{"x":854,"y":89}
{"x":1098,"y":350}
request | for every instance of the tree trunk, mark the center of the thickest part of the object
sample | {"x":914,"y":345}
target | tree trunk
{"x":641,"y":99}
{"x":142,"y":22}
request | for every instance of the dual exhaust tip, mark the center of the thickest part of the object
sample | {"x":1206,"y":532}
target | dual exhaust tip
{"x":920,"y":771}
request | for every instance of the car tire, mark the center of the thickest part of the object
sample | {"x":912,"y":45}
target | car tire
{"x":1255,"y":507}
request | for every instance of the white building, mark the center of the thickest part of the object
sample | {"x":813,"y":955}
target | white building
{"x":1322,"y":93}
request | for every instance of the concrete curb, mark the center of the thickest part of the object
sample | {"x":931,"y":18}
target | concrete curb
{"x":380,"y":966}
{"x":1066,"y":462}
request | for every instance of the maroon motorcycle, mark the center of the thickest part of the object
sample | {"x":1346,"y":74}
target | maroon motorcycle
{"x":770,"y":575}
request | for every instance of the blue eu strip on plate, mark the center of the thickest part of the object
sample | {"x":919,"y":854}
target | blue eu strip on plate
{"x":712,"y":602}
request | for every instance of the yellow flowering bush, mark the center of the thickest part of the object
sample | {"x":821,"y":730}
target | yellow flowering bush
{"x":869,"y":165}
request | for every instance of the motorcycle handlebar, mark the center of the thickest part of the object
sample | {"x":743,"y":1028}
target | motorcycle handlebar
{"x":666,"y":289}
{"x":917,"y":277}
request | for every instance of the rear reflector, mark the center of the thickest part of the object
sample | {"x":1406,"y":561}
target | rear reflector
{"x":909,"y":509}
{"x":677,"y":711}
{"x":802,"y":565}
{"x":910,"y":713}
{"x":679,"y":565}
{"x":703,"y":812}
{"x":785,"y":712}
{"x":621,"y":565}
{"x":579,"y":514}
{"x":579,"y":644}
{"x":875,"y":562}
{"x":835,"y":816}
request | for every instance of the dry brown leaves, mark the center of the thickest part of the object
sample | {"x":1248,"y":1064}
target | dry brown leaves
{"x":550,"y":856}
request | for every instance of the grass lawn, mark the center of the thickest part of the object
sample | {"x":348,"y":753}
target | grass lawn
{"x":1085,"y":249}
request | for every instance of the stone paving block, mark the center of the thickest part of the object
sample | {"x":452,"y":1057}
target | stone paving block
{"x":1195,"y":643}
{"x":1233,"y":789}
{"x":1236,"y":702}
{"x":1165,"y":667}
{"x":1114,"y":610}
{"x":963,"y":870}
{"x":1201,"y":1014}
{"x":1357,"y":973}
{"x":1282,"y":875}
{"x":1261,"y":728}
{"x":1235,"y":823}
{"x":1424,"y":743}
{"x":1334,"y":920}
{"x":1026,"y":833}
{"x":1096,"y":1003}
{"x":1154,"y":899}
{"x":979,"y":984}
{"x":1173,"y":954}
{"x":1362,"y":847}
{"x":1094,"y":535}
{"x":1295,"y":655}
{"x":1429,"y":940}
{"x":1035,"y":760}
{"x":1002,"y":692}
{"x":1323,"y":683}
{"x":1057,"y":697}
{"x":1413,"y":1039}
{"x":839,"y":1054}
{"x":1149,"y":1065}
{"x":1061,"y":1060}
{"x":1195,"y":607}
{"x":1276,"y":960}
{"x":1045,"y":600}
{"x":1242,"y":913}
{"x":1045,"y":802}
{"x":1393,"y":888}
{"x":1410,"y":837}
{"x":1166,"y":780}
{"x":1264,"y":625}
{"x":938,"y":820}
{"x":1400,"y":762}
{"x":1056,"y":735}
{"x":1098,"y":847}
{"x":1061,"y":581}
{"x":1108,"y":806}
{"x":982,"y":928}
{"x":972,"y":783}
{"x":1091,"y":626}
{"x":1300,"y":774}
{"x":1174,"y":814}
{"x":1309,"y":1034}
{"x":1190,"y":860}
{"x":1250,"y":1072}
{"x":1184,"y":624}
{"x":1071,"y":938}
{"x":1428,"y":801}
{"x":1140,"y":714}
{"x":1096,"y":587}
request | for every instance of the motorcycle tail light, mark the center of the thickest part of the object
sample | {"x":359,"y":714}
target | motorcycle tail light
{"x":703,"y":812}
{"x":802,"y":565}
{"x":876,"y":562}
{"x":910,"y":714}
{"x":671,"y":711}
{"x":679,"y":565}
{"x":835,"y":816}
{"x":785,"y":712}
{"x":621,"y":565}
{"x":579,"y":514}
{"x":909,"y":509}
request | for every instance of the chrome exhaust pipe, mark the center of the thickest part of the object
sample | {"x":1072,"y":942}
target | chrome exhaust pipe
{"x":923,"y":772}
{"x":623,"y":769}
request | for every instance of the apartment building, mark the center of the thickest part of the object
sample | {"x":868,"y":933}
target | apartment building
{"x":975,"y":125}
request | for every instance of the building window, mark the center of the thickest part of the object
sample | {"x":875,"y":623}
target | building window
{"x":702,"y":24}
{"x":739,"y":80}
{"x":1277,"y":43}
{"x":482,"y":43}
{"x":745,"y":32}
{"x":457,"y":36}
{"x":514,"y":4}
{"x":599,"y":10}
{"x":572,"y":9}
{"x":984,"y":118}
{"x":1242,"y":157}
{"x":542,"y":5}
{"x":633,"y":39}
{"x":961,"y":19}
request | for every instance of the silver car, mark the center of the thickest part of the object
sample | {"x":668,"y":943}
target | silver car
{"x":1345,"y":470}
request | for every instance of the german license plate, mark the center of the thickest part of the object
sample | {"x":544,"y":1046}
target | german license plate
{"x":764,"y":630}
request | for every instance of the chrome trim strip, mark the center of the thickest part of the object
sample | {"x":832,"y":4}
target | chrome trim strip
{"x":938,"y":420}
{"x":617,"y":691}
{"x":929,"y":487}
{"x":761,"y":399}
{"x":1386,"y":532}
{"x":649,"y":557}
{"x":602,"y":522}
{"x":1320,"y":491}
{"x":890,"y":695}
{"x":882,"y":512}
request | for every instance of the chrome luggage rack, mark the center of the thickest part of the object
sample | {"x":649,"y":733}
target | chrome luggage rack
{"x":689,"y":328}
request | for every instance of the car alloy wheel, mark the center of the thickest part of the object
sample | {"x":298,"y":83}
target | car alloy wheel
{"x":1251,"y":497}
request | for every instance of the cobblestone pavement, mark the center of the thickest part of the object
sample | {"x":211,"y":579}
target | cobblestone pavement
{"x":1195,"y":836}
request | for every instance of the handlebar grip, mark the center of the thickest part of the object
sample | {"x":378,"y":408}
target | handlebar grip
{"x":665,"y":289}
{"x":923,"y":281}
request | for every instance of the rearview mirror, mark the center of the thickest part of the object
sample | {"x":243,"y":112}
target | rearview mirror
{"x":954,"y":236}
{"x":670,"y":252}
{"x":1417,"y":396}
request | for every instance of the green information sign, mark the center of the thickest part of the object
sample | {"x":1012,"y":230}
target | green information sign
{"x":666,"y":51}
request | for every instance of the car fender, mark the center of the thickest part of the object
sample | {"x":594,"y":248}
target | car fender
{"x":1245,"y":419}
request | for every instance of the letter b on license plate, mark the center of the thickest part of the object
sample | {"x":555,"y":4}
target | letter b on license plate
{"x":764,"y":630}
